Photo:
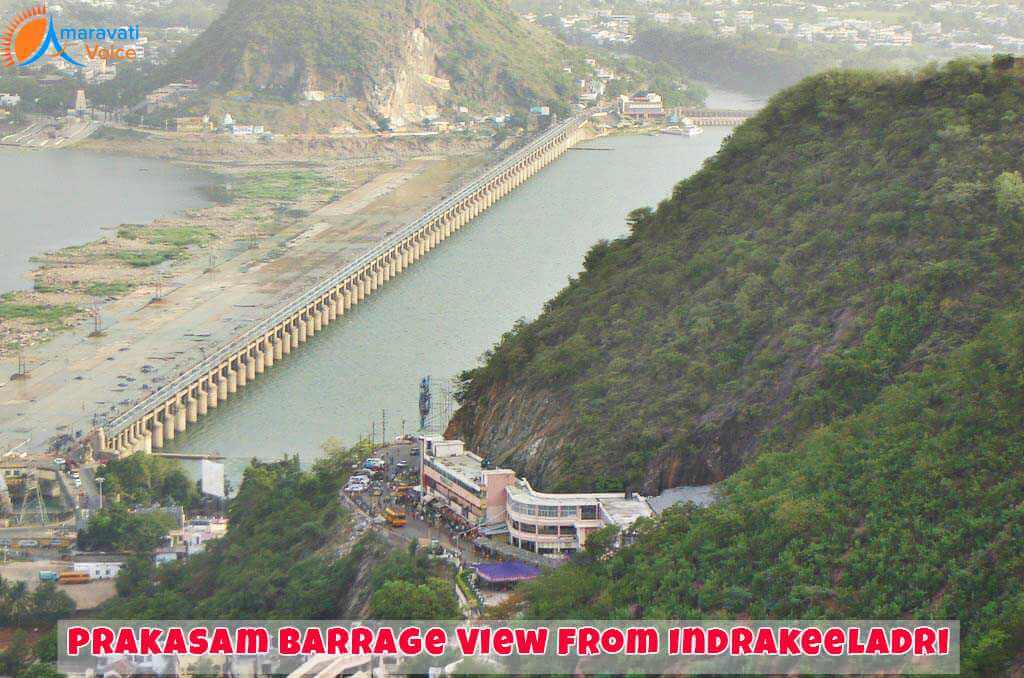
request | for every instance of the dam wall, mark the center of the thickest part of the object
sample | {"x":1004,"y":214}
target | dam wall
{"x":150,"y":424}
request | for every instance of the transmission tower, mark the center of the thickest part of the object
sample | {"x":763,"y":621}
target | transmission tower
{"x":437,"y":405}
{"x":33,"y":495}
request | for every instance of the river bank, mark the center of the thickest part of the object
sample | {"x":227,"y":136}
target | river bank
{"x":203,"y":279}
{"x":251,"y":197}
{"x":438,"y":317}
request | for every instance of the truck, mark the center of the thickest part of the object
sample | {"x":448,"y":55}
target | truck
{"x":48,"y":575}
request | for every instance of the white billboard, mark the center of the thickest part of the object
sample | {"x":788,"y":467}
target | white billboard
{"x":211,"y":478}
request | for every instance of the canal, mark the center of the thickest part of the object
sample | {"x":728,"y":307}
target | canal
{"x":442,"y":314}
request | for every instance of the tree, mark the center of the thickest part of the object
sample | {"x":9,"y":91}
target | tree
{"x":434,"y":599}
{"x":16,"y":656}
{"x":137,"y":577}
{"x":118,"y":529}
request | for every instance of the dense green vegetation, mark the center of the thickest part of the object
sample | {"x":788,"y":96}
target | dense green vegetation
{"x":829,"y":314}
{"x":147,"y":258}
{"x":913,"y":507}
{"x":172,"y":236}
{"x":281,"y":185}
{"x":280,"y":558}
{"x":115,"y":528}
{"x":141,"y":478}
{"x":406,"y":586}
{"x":51,"y":316}
{"x":859,"y":227}
{"x":108,"y":289}
{"x":20,"y":607}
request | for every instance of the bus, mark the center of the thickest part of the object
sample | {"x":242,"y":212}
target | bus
{"x":394,"y":518}
{"x":73,"y":578}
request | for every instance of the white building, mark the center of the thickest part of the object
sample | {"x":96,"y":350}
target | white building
{"x":554,"y":524}
{"x":641,"y":106}
{"x":99,"y":567}
{"x":545,"y":523}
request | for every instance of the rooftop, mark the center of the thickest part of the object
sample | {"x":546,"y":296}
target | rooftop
{"x":466,"y":467}
{"x":522,"y":491}
{"x":701,"y":495}
{"x":624,"y":512}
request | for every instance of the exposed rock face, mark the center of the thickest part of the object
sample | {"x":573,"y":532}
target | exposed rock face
{"x":398,"y":59}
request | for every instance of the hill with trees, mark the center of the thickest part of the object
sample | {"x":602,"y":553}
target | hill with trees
{"x":289,"y":553}
{"x":828,"y":317}
{"x":858,"y":228}
{"x":396,"y":55}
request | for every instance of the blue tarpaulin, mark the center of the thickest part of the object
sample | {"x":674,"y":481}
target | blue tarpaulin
{"x":513,"y":570}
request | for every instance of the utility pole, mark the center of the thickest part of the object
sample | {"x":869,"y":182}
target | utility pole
{"x":97,"y":322}
{"x":383,"y":427}
{"x":22,"y":372}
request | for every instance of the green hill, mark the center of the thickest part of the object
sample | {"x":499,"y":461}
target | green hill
{"x":859,"y":228}
{"x":394,"y":54}
{"x":913,"y":508}
{"x":828,"y":315}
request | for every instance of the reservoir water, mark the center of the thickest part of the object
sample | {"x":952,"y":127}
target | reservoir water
{"x":54,"y":199}
{"x":439,"y":316}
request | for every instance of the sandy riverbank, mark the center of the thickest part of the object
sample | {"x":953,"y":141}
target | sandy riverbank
{"x":265,"y":193}
{"x":182,"y":286}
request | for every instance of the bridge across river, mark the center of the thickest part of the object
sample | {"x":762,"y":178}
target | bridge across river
{"x":149,"y":424}
{"x":711,"y":117}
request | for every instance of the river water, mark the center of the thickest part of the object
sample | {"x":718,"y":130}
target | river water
{"x":439,"y":316}
{"x":57,"y":198}
{"x":435,"y":319}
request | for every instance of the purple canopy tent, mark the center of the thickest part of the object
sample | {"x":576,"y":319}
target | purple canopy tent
{"x":507,"y":572}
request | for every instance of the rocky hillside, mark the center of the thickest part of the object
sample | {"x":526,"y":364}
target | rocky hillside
{"x":400,"y":57}
{"x":859,"y":229}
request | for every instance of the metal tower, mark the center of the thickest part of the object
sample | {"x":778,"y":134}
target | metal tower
{"x":33,"y":495}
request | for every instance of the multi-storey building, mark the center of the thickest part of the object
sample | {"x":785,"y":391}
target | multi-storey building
{"x":549,"y":524}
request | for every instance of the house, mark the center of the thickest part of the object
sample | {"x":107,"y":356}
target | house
{"x":642,"y":106}
{"x":192,"y":537}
